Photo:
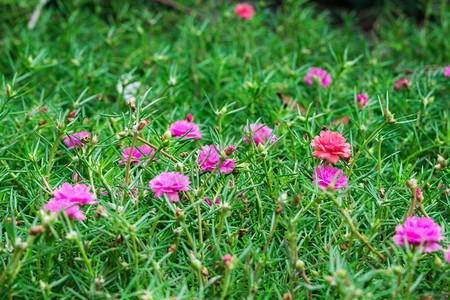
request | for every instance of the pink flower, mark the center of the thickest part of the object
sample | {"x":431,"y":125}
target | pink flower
{"x":261,"y":133}
{"x":70,"y":198}
{"x":189,"y":118}
{"x":419,"y":195}
{"x":330,"y":146}
{"x":326,"y":175}
{"x":402,"y":83}
{"x":138,"y":154}
{"x":209,"y":158}
{"x":72,"y":114}
{"x":447,"y":255}
{"x":244,"y":10}
{"x":447,"y":71}
{"x":182,"y":127}
{"x":317,"y":75}
{"x":44,"y":109}
{"x":226,"y":258}
{"x":77,"y":139}
{"x":169,"y":183}
{"x":361,"y":100}
{"x":416,"y":231}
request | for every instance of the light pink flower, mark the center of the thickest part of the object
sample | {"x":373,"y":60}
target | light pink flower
{"x":169,"y":183}
{"x":330,"y":146}
{"x":76,"y":138}
{"x":244,"y":10}
{"x":317,"y":75}
{"x":181,"y":127}
{"x":402,"y":83}
{"x":209,"y":158}
{"x":361,"y":100}
{"x":447,"y":71}
{"x":138,"y":154}
{"x":326,"y":175}
{"x":69,"y":198}
{"x":447,"y":255}
{"x":416,"y":231}
{"x":226,"y":258}
{"x":260,"y":132}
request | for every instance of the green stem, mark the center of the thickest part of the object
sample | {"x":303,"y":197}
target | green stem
{"x":52,"y":154}
{"x":226,"y":283}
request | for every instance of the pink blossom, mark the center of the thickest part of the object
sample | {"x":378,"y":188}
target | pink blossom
{"x":419,"y":195}
{"x":317,"y":75}
{"x":226,"y":258}
{"x":72,"y":114}
{"x":138,"y":154}
{"x":244,"y":10}
{"x":330,"y":146}
{"x":416,"y":231}
{"x":447,"y":255}
{"x":261,"y":133}
{"x":402,"y":83}
{"x":76,"y":138}
{"x":44,"y":109}
{"x":182,"y":127}
{"x":447,"y":71}
{"x":327,"y":174}
{"x":169,"y":183}
{"x":361,"y":100}
{"x":209,"y":158}
{"x":70,"y":198}
{"x":189,"y":118}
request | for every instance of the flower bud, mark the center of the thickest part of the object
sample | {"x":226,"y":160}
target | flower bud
{"x":139,"y":127}
{"x":261,"y":148}
{"x":36,"y":230}
{"x":9,"y":90}
{"x":437,"y":261}
{"x":228,"y":151}
{"x":166,"y":136}
{"x":419,"y":195}
{"x":442,"y":161}
{"x":341,"y":273}
{"x":189,"y":118}
{"x":300,"y":264}
{"x":72,"y":235}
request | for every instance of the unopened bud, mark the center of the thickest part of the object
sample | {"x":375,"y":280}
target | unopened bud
{"x":438,"y":167}
{"x":411,"y":184}
{"x":279,"y":209}
{"x":442,"y":161}
{"x":437,"y":261}
{"x":419,"y":195}
{"x":139,"y":127}
{"x":72,"y":235}
{"x":9,"y":90}
{"x":341,"y":273}
{"x":166,"y":136}
{"x":205,"y":271}
{"x":189,"y":118}
{"x":300,"y":264}
{"x":261,"y":148}
{"x":72,"y":114}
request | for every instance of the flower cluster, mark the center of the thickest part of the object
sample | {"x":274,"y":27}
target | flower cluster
{"x":69,"y":199}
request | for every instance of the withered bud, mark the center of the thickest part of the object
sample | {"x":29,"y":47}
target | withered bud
{"x":99,"y":212}
{"x":241,"y":232}
{"x":442,"y":161}
{"x":58,"y":154}
{"x":438,"y":167}
{"x":323,"y":128}
{"x":228,"y":151}
{"x":279,"y":209}
{"x":9,"y":90}
{"x":99,"y":97}
{"x":244,"y":200}
{"x":139,"y":127}
{"x":381,"y":192}
{"x":86,"y":139}
{"x":231,"y":184}
{"x":411,"y":184}
{"x":147,"y":63}
{"x":287,"y":296}
{"x":132,"y":105}
{"x":240,"y":195}
{"x":298,"y":198}
{"x":36,"y":230}
{"x":205,"y":271}
{"x":172,"y":248}
{"x":248,"y":56}
{"x":184,"y":154}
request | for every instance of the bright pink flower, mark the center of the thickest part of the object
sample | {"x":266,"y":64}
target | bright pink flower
{"x":317,"y":75}
{"x":326,"y":175}
{"x":244,"y":10}
{"x":189,"y":118}
{"x":361,"y":100}
{"x":419,"y":195}
{"x":402,"y":83}
{"x":169,"y":183}
{"x":447,"y":71}
{"x":447,"y":255}
{"x":330,"y":146}
{"x":76,"y":138}
{"x":209,"y":158}
{"x":44,"y":109}
{"x":416,"y":231}
{"x":260,"y":132}
{"x":76,"y":177}
{"x":138,"y":154}
{"x":226,"y":258}
{"x":215,"y":202}
{"x":70,"y":198}
{"x":182,"y":127}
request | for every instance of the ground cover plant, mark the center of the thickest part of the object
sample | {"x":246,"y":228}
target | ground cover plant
{"x":213,"y":150}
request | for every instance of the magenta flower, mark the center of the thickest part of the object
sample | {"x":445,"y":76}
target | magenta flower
{"x":419,"y":195}
{"x":244,"y":11}
{"x":447,"y":71}
{"x":326,"y":175}
{"x":447,"y":255}
{"x":416,"y":231}
{"x":77,"y":139}
{"x":402,"y":83}
{"x":182,"y":127}
{"x":261,"y":133}
{"x":317,"y":75}
{"x":330,"y":146}
{"x":69,"y":198}
{"x":216,"y":203}
{"x":72,"y":114}
{"x":138,"y":154}
{"x":209,"y":158}
{"x":361,"y":100}
{"x":169,"y":183}
{"x":44,"y":109}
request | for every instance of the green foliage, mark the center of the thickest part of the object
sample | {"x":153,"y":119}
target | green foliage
{"x":285,"y":234}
